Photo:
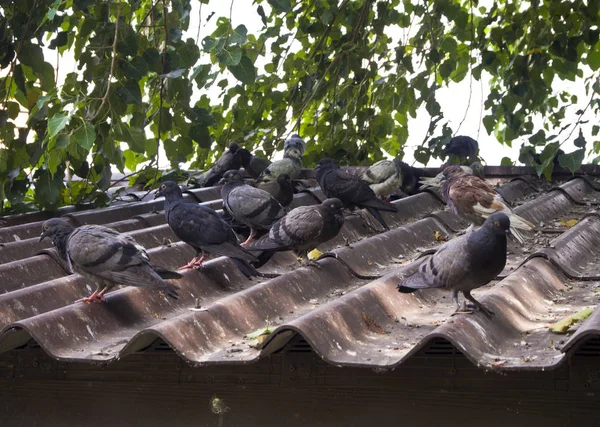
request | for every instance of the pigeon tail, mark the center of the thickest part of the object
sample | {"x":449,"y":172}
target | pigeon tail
{"x":245,"y":268}
{"x":517,"y":235}
{"x":167,"y":274}
{"x":171,"y":290}
{"x":518,"y":222}
{"x":405,"y":289}
{"x":378,"y":204}
{"x":378,"y":217}
{"x":414,"y":282}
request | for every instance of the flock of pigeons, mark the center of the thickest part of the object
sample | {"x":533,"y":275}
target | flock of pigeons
{"x":260,"y":209}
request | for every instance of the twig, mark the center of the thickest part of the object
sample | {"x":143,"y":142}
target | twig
{"x":199,"y":23}
{"x":470,"y":73}
{"x":147,"y":15}
{"x":112,"y":64}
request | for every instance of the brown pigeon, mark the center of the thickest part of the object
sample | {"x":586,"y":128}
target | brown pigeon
{"x":475,"y":200}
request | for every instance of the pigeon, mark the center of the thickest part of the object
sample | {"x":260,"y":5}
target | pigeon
{"x":254,"y":207}
{"x":228,"y":160}
{"x":464,"y":263}
{"x":303,"y":228}
{"x":282,"y":189}
{"x":203,"y":229}
{"x":475,"y":200}
{"x":107,"y":257}
{"x":295,"y":141}
{"x":350,"y":189}
{"x":475,"y":169}
{"x":464,"y":148}
{"x":384,"y":177}
{"x":252,"y":164}
{"x":291,"y":164}
{"x":410,"y":177}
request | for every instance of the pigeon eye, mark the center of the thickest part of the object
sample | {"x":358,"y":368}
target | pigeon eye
{"x":497,"y":224}
{"x":162,"y":187}
{"x":46,"y":227}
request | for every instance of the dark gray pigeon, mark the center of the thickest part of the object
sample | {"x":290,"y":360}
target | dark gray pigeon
{"x":350,"y":189}
{"x":282,"y":189}
{"x":303,"y":228}
{"x":254,"y":207}
{"x":464,"y":263}
{"x":107,"y":257}
{"x":252,"y":164}
{"x":228,"y":160}
{"x":464,"y":148}
{"x":203,"y":229}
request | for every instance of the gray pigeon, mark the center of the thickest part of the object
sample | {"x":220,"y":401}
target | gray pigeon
{"x":350,"y":189}
{"x":464,"y":148}
{"x":228,"y":160}
{"x":464,"y":263}
{"x":107,"y":257}
{"x":303,"y":228}
{"x":475,"y":169}
{"x":384,"y":177}
{"x":295,"y":141}
{"x":282,"y":189}
{"x":290,"y":165}
{"x":252,"y":164}
{"x":203,"y":229}
{"x":252,"y":206}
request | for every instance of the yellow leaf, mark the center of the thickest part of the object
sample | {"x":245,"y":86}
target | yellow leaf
{"x":570,"y":223}
{"x":314,"y":254}
{"x":440,"y":237}
{"x":563,"y":325}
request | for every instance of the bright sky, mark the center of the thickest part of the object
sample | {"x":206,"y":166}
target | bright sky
{"x":454,"y":99}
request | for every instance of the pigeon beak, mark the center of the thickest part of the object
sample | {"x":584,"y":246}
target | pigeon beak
{"x":43,"y":236}
{"x":221,"y":181}
{"x":157,"y":195}
{"x":317,"y":167}
{"x":508,"y":232}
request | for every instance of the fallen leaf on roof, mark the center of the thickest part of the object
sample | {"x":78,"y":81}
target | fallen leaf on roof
{"x":570,"y":223}
{"x":314,"y":254}
{"x":440,"y":237}
{"x":563,"y":325}
{"x":260,"y":334}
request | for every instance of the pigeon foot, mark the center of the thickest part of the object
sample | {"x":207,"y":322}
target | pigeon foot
{"x":194,"y":263}
{"x":95,"y":297}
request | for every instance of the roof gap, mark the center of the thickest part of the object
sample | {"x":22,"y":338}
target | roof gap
{"x":590,"y":348}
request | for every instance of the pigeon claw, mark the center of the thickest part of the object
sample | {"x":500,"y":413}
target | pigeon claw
{"x":194,"y":263}
{"x":95,"y":297}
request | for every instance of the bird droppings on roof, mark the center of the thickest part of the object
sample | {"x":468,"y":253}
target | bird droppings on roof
{"x":347,"y":309}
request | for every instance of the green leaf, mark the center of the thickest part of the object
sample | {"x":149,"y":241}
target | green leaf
{"x":200,"y":75}
{"x":48,"y":187}
{"x":55,"y":158}
{"x":239,"y":35}
{"x":563,"y":325}
{"x":506,"y":162}
{"x":200,"y":134}
{"x":245,"y":71}
{"x":136,"y":68}
{"x":134,"y":137}
{"x":56,"y":124}
{"x":593,"y":57}
{"x":85,"y":136}
{"x":31,"y":55}
{"x":281,"y":6}
{"x":580,"y":140}
{"x":572,"y":161}
{"x":130,"y":92}
{"x":46,"y":76}
{"x":230,"y":57}
{"x":61,"y":39}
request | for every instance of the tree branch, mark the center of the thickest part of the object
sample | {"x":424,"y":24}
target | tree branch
{"x":112,"y":64}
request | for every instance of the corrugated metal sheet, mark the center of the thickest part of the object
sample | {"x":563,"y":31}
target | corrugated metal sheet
{"x":348,"y":310}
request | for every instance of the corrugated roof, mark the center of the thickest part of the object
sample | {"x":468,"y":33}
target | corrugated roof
{"x":348,"y":310}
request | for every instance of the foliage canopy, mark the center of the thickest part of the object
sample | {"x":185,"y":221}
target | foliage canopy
{"x":331,"y":68}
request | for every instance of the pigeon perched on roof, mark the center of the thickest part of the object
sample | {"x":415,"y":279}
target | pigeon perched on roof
{"x":228,"y":160}
{"x":107,"y":257}
{"x":290,"y":165}
{"x":254,"y":207}
{"x":410,"y":177}
{"x":384,"y":177}
{"x":464,"y":148}
{"x":353,"y":192}
{"x":282,"y":189}
{"x":296,"y":142}
{"x":475,"y":200}
{"x":203,"y":229}
{"x":252,"y":164}
{"x":475,"y":169}
{"x":303,"y":228}
{"x":464,"y":263}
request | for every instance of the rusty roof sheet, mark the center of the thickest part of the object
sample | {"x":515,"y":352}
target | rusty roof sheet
{"x":347,"y":310}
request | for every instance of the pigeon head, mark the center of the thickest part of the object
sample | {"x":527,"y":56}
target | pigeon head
{"x":169,"y":190}
{"x":477,"y":169}
{"x":327,"y":164}
{"x":451,"y":171}
{"x":57,"y":229}
{"x":332,"y":205}
{"x":231,"y":177}
{"x":294,"y":141}
{"x":294,"y":152}
{"x":233,"y":147}
{"x":499,"y":222}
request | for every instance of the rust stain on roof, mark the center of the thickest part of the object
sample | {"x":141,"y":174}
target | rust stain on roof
{"x":348,"y":310}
